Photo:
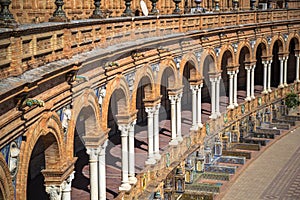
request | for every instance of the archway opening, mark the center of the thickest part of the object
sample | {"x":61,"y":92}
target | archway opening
{"x":167,"y":81}
{"x":244,"y":57}
{"x":291,"y":75}
{"x":275,"y":67}
{"x":188,"y":73}
{"x":85,"y":125}
{"x":259,"y":69}
{"x":43,"y":156}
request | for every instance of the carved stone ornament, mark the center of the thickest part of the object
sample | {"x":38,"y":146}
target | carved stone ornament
{"x":13,"y":159}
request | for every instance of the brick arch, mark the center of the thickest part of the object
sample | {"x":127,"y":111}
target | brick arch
{"x":145,"y":71}
{"x":189,"y":57}
{"x":6,"y":187}
{"x":166,"y":64}
{"x":119,"y":82}
{"x":231,"y":61}
{"x":48,"y":125}
{"x":240,"y":47}
{"x":265,"y":51}
{"x":290,"y":37}
{"x":86,"y":100}
{"x":208,"y":53}
{"x":274,"y":40}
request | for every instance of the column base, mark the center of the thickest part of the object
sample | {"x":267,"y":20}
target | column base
{"x":157,"y":156}
{"x":218,"y":114}
{"x":230,"y":106}
{"x":297,"y":81}
{"x":281,"y":86}
{"x":252,"y":97}
{"x":125,"y":187}
{"x":200,"y":125}
{"x":179,"y":138}
{"x":194,"y":128}
{"x":265,"y":92}
{"x":132,"y":180}
{"x":213,"y":116}
{"x":285,"y":85}
{"x":236,"y":104}
{"x":269,"y":90}
{"x":150,"y":161}
{"x":173,"y":142}
{"x":248,"y":98}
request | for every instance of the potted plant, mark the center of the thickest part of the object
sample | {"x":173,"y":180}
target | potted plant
{"x":292,"y":101}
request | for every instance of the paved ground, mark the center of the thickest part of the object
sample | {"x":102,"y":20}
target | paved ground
{"x":273,"y":175}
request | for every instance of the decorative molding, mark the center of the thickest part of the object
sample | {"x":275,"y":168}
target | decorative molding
{"x":130,"y":80}
{"x":155,"y":67}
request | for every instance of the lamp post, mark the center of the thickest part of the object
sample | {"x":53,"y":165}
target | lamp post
{"x":179,"y":181}
{"x":59,"y":14}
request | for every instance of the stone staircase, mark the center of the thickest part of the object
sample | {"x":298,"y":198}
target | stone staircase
{"x":209,"y":184}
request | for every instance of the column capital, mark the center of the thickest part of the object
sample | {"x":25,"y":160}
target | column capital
{"x":93,"y":153}
{"x":179,"y":96}
{"x":124,"y":128}
{"x":150,"y":110}
{"x":66,"y":185}
{"x":194,"y":88}
{"x":173,"y":98}
{"x":54,"y":192}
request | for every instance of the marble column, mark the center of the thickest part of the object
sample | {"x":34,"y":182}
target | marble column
{"x":194,"y":107}
{"x":93,"y":160}
{"x":125,"y":186}
{"x":150,"y":112}
{"x":54,"y":191}
{"x":218,"y":96}
{"x":213,"y":98}
{"x":235,"y":89}
{"x":269,"y":75}
{"x":157,"y":156}
{"x":281,"y":85}
{"x":248,"y":97}
{"x":265,"y":63}
{"x":285,"y":71}
{"x":173,"y":119}
{"x":199,"y":121}
{"x":131,"y":156}
{"x":297,"y":67}
{"x":102,"y":172}
{"x":252,"y":81}
{"x":231,"y":74}
{"x":178,"y":118}
{"x":66,"y":187}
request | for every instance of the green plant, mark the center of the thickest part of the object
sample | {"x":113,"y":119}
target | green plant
{"x":292,"y":100}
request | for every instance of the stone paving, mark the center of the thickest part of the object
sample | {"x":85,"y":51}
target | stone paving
{"x":275,"y":174}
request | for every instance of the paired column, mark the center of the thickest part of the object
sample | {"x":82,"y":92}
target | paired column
{"x":231,"y":74}
{"x":213,"y":81}
{"x":281,"y":85}
{"x":235,"y":89}
{"x":150,"y":111}
{"x":54,"y":191}
{"x":125,"y":186}
{"x":285,"y":71}
{"x":248,"y":68}
{"x":297,"y":67}
{"x":265,"y":63}
{"x":173,"y":99}
{"x":157,"y":156}
{"x":252,"y":81}
{"x":102,"y":172}
{"x":93,"y":160}
{"x":132,"y":178}
{"x":178,"y":117}
{"x":269,"y":75}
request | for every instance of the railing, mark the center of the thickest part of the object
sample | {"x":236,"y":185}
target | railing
{"x":31,"y":46}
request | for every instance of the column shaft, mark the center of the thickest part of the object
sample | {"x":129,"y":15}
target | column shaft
{"x":199,"y":121}
{"x":235,"y":89}
{"x":218,"y":97}
{"x":125,"y":186}
{"x":297,"y":67}
{"x":173,"y":120}
{"x":252,"y":81}
{"x":194,"y":108}
{"x":178,"y":116}
{"x":213,"y":98}
{"x":248,"y":98}
{"x":269,"y":76}
{"x":265,"y":91}
{"x":102,"y":173}
{"x":150,"y":160}
{"x":157,"y":156}
{"x":231,"y":106}
{"x":285,"y":71}
{"x":93,"y":154}
{"x":132,"y":178}
{"x":281,"y":74}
